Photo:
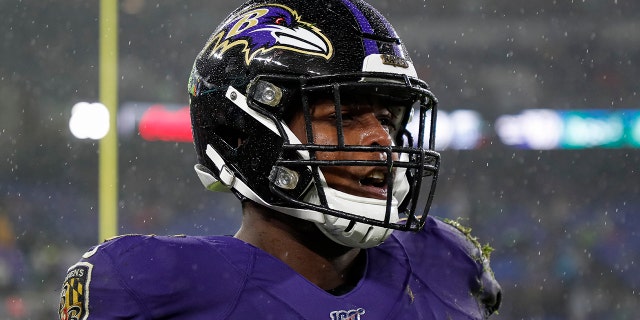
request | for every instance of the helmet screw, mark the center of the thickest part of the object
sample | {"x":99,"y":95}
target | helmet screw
{"x":233,"y":96}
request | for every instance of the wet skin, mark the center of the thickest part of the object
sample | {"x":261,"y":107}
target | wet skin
{"x":365,"y":123}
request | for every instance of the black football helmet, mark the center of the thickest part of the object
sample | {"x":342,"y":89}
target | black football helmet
{"x":270,"y":59}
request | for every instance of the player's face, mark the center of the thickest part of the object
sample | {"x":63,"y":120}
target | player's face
{"x":365,"y":122}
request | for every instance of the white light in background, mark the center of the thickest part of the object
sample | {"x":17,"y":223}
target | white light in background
{"x":542,"y":128}
{"x":539,"y":129}
{"x":89,"y":120}
{"x":445,"y":130}
{"x":467,"y":129}
{"x":459,"y":129}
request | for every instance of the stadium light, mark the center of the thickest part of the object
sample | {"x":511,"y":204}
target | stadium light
{"x":89,"y":120}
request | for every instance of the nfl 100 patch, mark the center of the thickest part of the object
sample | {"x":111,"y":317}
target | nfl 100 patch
{"x":74,"y":297}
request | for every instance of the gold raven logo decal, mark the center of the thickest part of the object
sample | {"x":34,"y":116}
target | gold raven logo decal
{"x":264,"y":28}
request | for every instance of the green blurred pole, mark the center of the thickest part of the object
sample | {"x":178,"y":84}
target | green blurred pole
{"x":108,"y":188}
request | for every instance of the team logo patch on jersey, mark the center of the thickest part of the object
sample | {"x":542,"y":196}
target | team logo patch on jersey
{"x":264,"y":28}
{"x":347,"y":315}
{"x":74,"y":297}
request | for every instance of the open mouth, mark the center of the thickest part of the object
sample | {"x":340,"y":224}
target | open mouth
{"x":374,"y":184}
{"x":369,"y":183}
{"x":376,"y":179}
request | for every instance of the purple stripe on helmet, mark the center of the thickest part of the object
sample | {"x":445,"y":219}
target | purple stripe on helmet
{"x":370,"y":46}
{"x":390,"y":30}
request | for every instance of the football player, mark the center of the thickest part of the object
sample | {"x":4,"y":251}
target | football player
{"x":301,"y":109}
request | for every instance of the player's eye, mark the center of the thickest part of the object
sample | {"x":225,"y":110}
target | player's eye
{"x":347,"y":116}
{"x":387,"y":123}
{"x":279,"y":21}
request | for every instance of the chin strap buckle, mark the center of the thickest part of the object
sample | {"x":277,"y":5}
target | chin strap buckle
{"x":226,"y":178}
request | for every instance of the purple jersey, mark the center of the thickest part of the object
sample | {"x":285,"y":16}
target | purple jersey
{"x":437,"y":273}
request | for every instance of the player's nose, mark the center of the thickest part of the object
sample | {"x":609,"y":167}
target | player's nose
{"x":374,"y":133}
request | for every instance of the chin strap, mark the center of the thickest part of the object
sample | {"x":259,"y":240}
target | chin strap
{"x":347,"y":232}
{"x":358,"y":234}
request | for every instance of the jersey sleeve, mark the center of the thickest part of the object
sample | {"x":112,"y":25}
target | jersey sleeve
{"x":451,"y":263}
{"x":485,"y":288}
{"x":155,"y":277}
{"x":94,"y":289}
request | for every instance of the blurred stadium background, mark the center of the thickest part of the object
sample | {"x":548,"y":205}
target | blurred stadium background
{"x":540,"y":153}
